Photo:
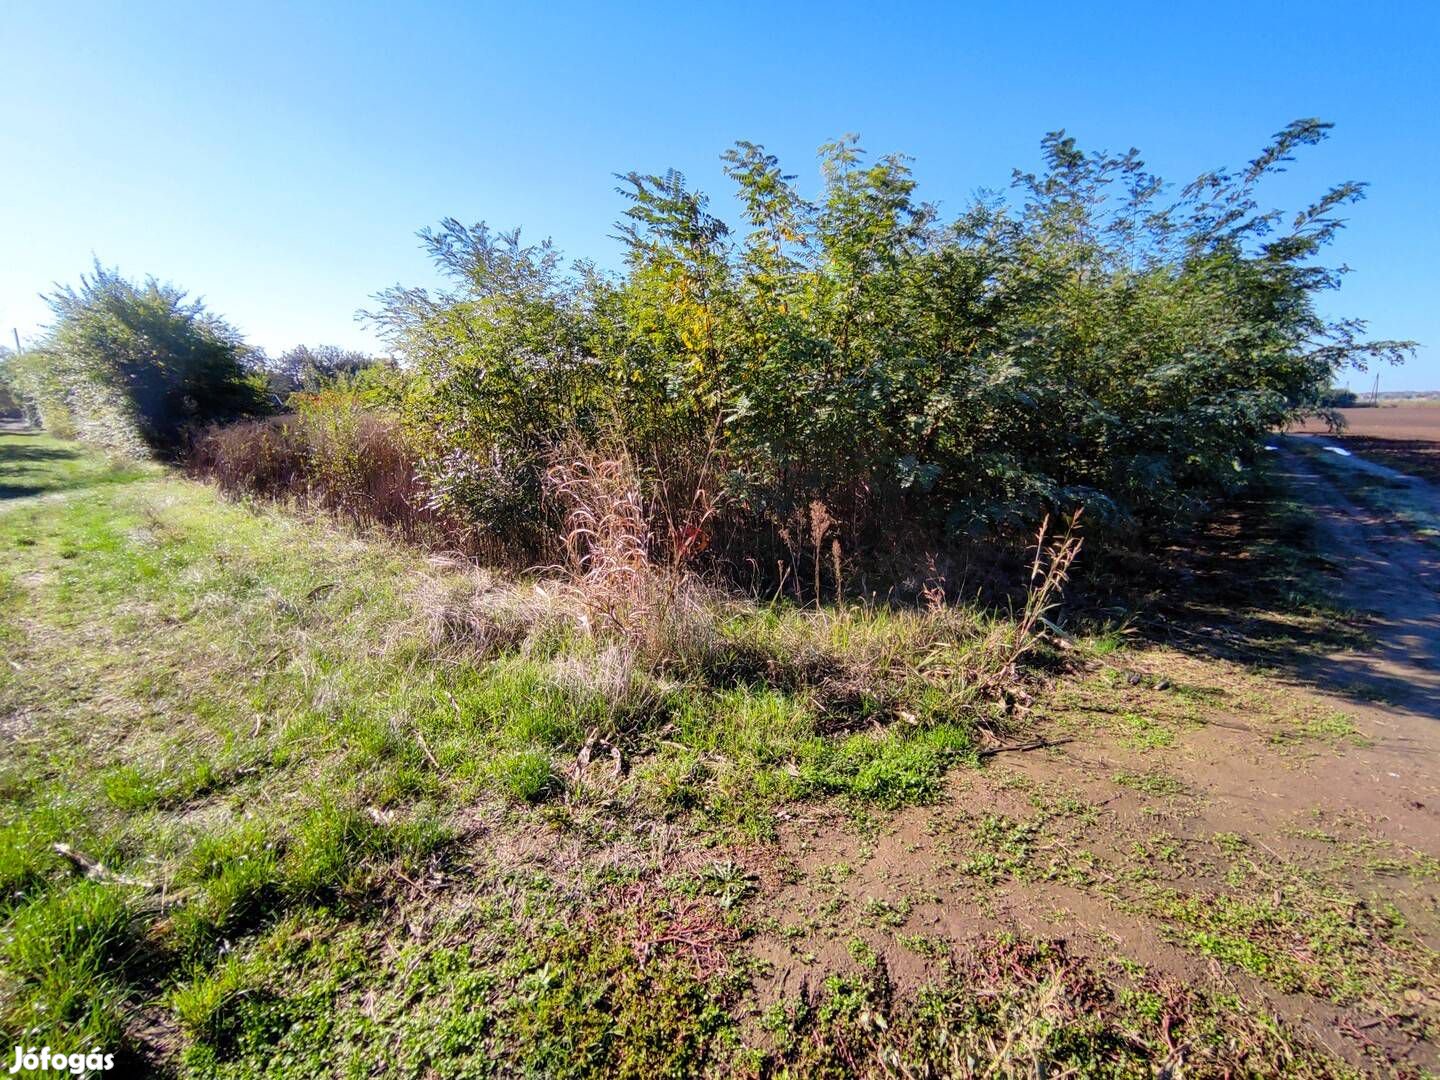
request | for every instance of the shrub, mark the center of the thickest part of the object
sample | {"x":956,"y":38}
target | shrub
{"x":333,"y":453}
{"x":12,"y":402}
{"x":856,"y":366}
{"x":304,"y":369}
{"x":133,"y":367}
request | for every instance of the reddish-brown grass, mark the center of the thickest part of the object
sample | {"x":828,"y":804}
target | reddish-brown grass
{"x":362,"y":470}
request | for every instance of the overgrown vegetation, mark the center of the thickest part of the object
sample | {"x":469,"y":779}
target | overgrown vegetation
{"x":1096,"y":343}
{"x":328,"y":803}
{"x":133,"y":367}
{"x":282,"y":796}
{"x":333,"y":452}
{"x":420,"y":697}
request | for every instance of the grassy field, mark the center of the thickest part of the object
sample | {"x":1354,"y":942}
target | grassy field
{"x":280,"y":800}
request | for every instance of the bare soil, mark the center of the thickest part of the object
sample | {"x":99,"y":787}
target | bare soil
{"x":1192,"y":772}
{"x":1405,"y":437}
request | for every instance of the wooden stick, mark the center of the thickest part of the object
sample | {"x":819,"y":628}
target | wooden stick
{"x":1038,"y":744}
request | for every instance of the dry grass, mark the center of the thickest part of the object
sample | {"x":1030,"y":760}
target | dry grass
{"x":659,"y":610}
{"x":616,"y":626}
{"x":469,"y":608}
{"x":348,"y":462}
{"x":1049,"y":571}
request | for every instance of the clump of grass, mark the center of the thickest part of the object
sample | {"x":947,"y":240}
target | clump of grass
{"x":468,"y":608}
{"x":27,"y":856}
{"x":335,"y":849}
{"x":1151,"y":783}
{"x":609,"y":681}
{"x":68,"y":950}
{"x":620,"y":587}
{"x":86,"y":926}
{"x":237,"y":875}
{"x":203,"y":1003}
{"x":132,"y":787}
{"x":526,"y":775}
{"x":892,"y":770}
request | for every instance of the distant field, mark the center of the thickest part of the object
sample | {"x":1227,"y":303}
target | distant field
{"x":1405,"y":437}
{"x":1389,"y":422}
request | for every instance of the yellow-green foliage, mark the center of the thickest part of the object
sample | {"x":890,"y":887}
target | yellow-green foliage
{"x":1093,"y":342}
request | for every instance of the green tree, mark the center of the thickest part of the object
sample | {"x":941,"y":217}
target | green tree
{"x":1094,"y":339}
{"x":135,"y":366}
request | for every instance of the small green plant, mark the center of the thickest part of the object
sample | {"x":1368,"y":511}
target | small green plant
{"x":728,"y":882}
{"x":1143,"y":733}
{"x":201,"y":1003}
{"x":1151,"y":783}
{"x":1000,"y":848}
{"x":1334,"y":727}
{"x":526,"y":775}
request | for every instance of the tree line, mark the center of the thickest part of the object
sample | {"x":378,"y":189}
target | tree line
{"x":1096,"y":338}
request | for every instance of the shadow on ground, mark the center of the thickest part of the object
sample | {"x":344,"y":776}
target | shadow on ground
{"x":16,"y":459}
{"x":1328,"y":592}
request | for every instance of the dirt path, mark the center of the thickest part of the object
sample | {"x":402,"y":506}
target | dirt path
{"x":1385,"y":570}
{"x":1209,"y":819}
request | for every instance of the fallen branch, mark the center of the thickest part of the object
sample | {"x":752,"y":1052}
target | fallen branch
{"x":98,"y":871}
{"x":592,"y":743}
{"x":1038,"y":744}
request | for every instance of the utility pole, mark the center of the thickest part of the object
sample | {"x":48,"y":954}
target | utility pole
{"x":17,"y":338}
{"x":1375,"y":394}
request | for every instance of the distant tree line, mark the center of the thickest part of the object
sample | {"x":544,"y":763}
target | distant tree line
{"x":138,"y":367}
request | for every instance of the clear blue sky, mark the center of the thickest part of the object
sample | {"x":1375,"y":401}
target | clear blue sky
{"x":278,"y":158}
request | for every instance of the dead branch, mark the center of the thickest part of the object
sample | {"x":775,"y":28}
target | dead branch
{"x":1037,"y":744}
{"x":98,"y":871}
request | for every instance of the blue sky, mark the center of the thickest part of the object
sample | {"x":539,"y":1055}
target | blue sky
{"x":278,"y":158}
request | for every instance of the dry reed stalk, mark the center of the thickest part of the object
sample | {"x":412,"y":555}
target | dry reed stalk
{"x":655,"y":608}
{"x":1049,"y":571}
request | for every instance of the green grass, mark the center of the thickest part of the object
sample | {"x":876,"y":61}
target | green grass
{"x":247,"y":709}
{"x":337,"y":842}
{"x":33,"y":463}
{"x":1151,"y":783}
{"x":1332,"y":727}
{"x":1011,"y":1007}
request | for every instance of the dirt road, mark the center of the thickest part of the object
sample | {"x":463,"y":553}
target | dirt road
{"x":1270,"y":826}
{"x":1367,"y":531}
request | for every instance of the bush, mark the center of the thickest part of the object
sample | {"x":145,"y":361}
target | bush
{"x":306,"y":370}
{"x":1093,"y":344}
{"x":335,"y":454}
{"x":134,"y":367}
{"x":12,"y":403}
{"x":1338,"y":398}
